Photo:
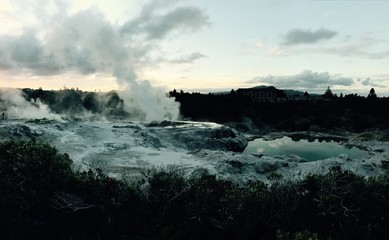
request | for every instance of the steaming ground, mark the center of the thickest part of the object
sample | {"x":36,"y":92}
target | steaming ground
{"x":126,"y":148}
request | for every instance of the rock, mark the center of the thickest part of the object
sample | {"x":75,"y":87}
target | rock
{"x":21,"y":131}
{"x":150,"y":140}
{"x":165,"y":123}
{"x":37,"y":133}
{"x":236,"y":164}
{"x":42,"y":121}
{"x":233,"y":140}
{"x":344,"y":157}
{"x":378,"y":150}
{"x":223,"y":132}
{"x":385,"y":164}
{"x":135,"y":127}
{"x":258,"y":155}
{"x":313,"y":137}
{"x":295,"y":158}
{"x":368,"y":167}
{"x":209,"y":136}
{"x":198,"y":146}
{"x":265,"y":167}
{"x":384,"y":136}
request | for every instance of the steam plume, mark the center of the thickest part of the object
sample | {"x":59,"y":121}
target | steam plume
{"x":87,"y":43}
{"x":16,"y":106}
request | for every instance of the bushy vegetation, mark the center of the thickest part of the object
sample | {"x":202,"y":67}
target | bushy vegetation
{"x":42,"y":197}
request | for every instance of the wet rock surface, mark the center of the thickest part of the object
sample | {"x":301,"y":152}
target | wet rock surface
{"x":126,"y":148}
{"x":194,"y":136}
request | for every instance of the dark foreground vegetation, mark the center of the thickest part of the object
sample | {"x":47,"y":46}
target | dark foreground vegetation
{"x":42,"y":197}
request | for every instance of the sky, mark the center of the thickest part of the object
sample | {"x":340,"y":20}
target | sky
{"x":196,"y":45}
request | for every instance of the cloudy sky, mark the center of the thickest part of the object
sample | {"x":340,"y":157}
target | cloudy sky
{"x":196,"y":45}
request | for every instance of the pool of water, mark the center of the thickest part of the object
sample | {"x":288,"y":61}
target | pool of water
{"x":309,"y":150}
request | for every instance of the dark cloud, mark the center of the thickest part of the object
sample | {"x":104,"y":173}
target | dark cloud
{"x":24,"y":52}
{"x":188,"y":58}
{"x":86,"y":42}
{"x":371,"y":83}
{"x":304,"y":80}
{"x":154,"y":25}
{"x":308,"y":36}
{"x":83,"y":42}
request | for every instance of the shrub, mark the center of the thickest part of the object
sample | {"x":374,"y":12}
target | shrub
{"x":31,"y":173}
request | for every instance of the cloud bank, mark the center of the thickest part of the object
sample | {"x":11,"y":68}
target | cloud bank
{"x":305,"y":80}
{"x":307,"y":36}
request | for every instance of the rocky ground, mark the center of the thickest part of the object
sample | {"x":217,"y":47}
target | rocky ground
{"x":126,"y":147}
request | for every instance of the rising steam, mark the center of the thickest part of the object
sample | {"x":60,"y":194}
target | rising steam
{"x":15,"y":105}
{"x":85,"y":42}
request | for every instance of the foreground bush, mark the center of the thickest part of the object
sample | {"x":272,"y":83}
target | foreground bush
{"x":42,"y":197}
{"x":31,"y":173}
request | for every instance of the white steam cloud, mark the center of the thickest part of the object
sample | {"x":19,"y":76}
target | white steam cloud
{"x":87,"y":43}
{"x":16,"y":107}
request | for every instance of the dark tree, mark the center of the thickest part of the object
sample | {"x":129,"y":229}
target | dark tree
{"x":328,"y":94}
{"x":372,"y":94}
{"x":306,"y":95}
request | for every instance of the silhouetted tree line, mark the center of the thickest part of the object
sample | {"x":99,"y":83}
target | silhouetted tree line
{"x":215,"y":107}
{"x":329,"y":112}
{"x":350,"y":112}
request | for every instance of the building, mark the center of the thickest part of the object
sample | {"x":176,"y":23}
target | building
{"x":263,"y":94}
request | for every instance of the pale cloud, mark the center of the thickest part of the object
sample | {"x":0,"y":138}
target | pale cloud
{"x":360,"y":46}
{"x":305,"y":80}
{"x":355,"y":51}
{"x":260,"y":44}
{"x":365,"y":45}
{"x":252,"y":47}
{"x":260,"y":47}
{"x":188,"y":58}
{"x":382,"y":76}
{"x":277,"y":52}
{"x":307,"y":36}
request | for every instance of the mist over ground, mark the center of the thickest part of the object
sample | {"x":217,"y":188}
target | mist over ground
{"x":71,"y":103}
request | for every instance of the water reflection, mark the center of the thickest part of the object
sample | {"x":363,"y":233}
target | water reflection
{"x":309,"y":149}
